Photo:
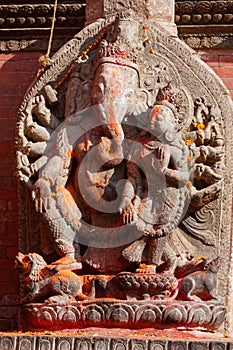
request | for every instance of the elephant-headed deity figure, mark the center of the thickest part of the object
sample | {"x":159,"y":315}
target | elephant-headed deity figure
{"x":77,"y":169}
{"x":112,"y":180}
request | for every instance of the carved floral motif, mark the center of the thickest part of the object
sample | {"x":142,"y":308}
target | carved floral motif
{"x":128,"y":314}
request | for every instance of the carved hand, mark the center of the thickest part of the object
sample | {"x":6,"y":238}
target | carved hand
{"x":160,"y":152}
{"x":129,"y":209}
{"x":41,"y":194}
{"x":39,"y":107}
{"x":44,"y":115}
{"x":163,"y":156}
{"x":206,"y":195}
{"x":129,"y":214}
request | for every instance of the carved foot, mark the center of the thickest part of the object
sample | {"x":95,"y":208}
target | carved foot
{"x":66,"y":263}
{"x":146,"y":296}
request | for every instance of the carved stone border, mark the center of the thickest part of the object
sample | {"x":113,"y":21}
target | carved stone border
{"x":206,"y":40}
{"x":27,"y":26}
{"x":50,"y":342}
{"x":201,"y":24}
{"x":204,"y":12}
{"x":124,"y":314}
{"x":40,"y":16}
{"x":205,"y":24}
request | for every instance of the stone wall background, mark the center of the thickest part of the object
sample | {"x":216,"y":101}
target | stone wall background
{"x":19,"y":52}
{"x":17,"y":71}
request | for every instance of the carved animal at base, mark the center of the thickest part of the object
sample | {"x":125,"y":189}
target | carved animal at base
{"x":57,"y":284}
{"x":53,"y":284}
{"x":200,"y":285}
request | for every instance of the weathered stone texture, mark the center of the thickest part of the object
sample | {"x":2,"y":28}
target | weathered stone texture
{"x":16,"y":77}
{"x":155,"y":10}
{"x":201,"y":24}
{"x":25,"y":342}
{"x":175,"y":73}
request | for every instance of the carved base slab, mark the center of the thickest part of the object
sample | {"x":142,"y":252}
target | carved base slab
{"x":127,"y":314}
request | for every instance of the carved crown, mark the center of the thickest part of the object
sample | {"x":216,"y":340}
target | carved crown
{"x":118,"y":52}
{"x":119,"y":47}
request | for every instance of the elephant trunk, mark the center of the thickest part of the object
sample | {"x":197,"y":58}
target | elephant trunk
{"x":110,"y":150}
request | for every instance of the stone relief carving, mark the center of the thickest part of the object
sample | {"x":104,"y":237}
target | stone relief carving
{"x":37,"y":15}
{"x":203,"y":12}
{"x":155,"y":10}
{"x":122,"y":159}
{"x":107,"y":315}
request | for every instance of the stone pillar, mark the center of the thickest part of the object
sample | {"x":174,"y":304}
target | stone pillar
{"x":155,"y":10}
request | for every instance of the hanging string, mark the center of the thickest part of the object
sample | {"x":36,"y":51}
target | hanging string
{"x":83,"y":56}
{"x":44,"y":59}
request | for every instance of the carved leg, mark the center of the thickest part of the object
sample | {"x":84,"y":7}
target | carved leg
{"x":64,"y":245}
{"x":156,"y":250}
{"x":65,"y":263}
{"x":170,"y":257}
{"x":67,"y":251}
{"x":29,"y":298}
{"x":173,"y":265}
{"x":213,"y":296}
{"x":91,"y":294}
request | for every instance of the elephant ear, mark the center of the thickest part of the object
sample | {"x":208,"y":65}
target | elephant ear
{"x":140,"y":102}
{"x":77,"y":96}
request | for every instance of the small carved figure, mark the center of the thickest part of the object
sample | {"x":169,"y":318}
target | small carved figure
{"x":54,"y":284}
{"x":200,"y":285}
{"x":206,"y":145}
{"x":156,"y":210}
{"x":39,"y":124}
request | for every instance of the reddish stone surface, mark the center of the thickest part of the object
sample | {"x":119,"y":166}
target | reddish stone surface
{"x":221,"y":61}
{"x":17,"y":72}
{"x":146,"y":339}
